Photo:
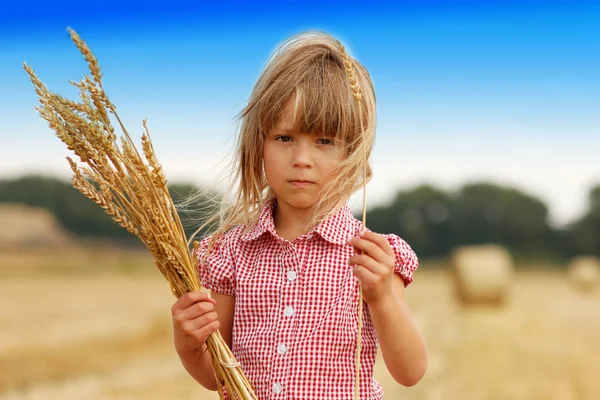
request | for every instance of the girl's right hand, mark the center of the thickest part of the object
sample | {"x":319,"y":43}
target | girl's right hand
{"x":194,"y":320}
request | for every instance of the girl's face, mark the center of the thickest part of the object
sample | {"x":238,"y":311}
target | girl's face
{"x":298,"y":165}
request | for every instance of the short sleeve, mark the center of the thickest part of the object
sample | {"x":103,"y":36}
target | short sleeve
{"x":217,"y":271}
{"x":406,"y":259}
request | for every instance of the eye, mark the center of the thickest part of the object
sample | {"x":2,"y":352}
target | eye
{"x":284,"y":138}
{"x":325,"y":141}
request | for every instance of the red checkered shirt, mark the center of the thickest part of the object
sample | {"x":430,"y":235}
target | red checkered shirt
{"x":296,"y":316}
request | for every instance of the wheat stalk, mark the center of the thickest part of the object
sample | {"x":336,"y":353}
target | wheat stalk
{"x":357,"y":95}
{"x":131,"y":189}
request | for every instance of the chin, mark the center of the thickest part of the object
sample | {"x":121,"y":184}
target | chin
{"x":302,"y":205}
{"x":299,"y":201}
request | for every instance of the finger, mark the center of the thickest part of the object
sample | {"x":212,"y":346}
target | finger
{"x":365,"y":261}
{"x":200,"y":322}
{"x":364,"y":275}
{"x":370,"y":248}
{"x":203,"y":333}
{"x":380,"y":240}
{"x":194,"y":311}
{"x":188,"y":299}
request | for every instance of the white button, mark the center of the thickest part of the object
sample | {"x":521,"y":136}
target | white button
{"x":282,"y":349}
{"x":291,"y":275}
{"x":289,"y":311}
{"x":277,"y":388}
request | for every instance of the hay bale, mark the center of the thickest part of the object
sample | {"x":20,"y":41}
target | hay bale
{"x":25,"y":226}
{"x":584,"y":273}
{"x":482,"y":274}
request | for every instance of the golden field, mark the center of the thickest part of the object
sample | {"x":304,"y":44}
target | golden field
{"x":95,"y":324}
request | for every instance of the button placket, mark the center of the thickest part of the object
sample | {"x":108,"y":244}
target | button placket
{"x":284,"y":326}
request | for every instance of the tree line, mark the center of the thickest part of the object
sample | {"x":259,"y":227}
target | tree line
{"x":432,"y":220}
{"x":83,"y":218}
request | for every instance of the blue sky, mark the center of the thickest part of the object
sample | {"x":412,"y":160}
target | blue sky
{"x":467,"y":90}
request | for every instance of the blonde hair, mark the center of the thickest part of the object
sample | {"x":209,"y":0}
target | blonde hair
{"x":309,"y":68}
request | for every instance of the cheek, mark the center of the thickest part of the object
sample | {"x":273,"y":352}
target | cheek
{"x":329,"y":171}
{"x":270,"y":163}
{"x":330,"y":164}
{"x":267,"y":156}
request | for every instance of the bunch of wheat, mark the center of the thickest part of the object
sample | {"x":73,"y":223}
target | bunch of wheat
{"x":133,"y":191}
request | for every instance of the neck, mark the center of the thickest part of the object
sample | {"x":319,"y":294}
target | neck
{"x":291,"y":222}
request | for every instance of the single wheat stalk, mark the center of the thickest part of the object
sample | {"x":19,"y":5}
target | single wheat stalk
{"x":133,"y":190}
{"x":357,"y":95}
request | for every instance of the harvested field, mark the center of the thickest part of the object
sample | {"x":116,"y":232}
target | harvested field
{"x":108,"y":336}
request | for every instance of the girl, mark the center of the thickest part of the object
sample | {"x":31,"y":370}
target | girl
{"x":285,"y":264}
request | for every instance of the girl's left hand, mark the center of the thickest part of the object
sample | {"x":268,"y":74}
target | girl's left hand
{"x":375,"y":267}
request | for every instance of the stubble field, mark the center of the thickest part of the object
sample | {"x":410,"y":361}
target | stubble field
{"x":103,"y":331}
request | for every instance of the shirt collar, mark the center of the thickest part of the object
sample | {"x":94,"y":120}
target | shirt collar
{"x":265,"y":222}
{"x":336,"y":228}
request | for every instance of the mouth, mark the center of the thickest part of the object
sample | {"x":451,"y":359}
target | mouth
{"x":301,"y":183}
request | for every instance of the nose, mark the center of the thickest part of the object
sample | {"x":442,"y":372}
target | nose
{"x":302,"y":155}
